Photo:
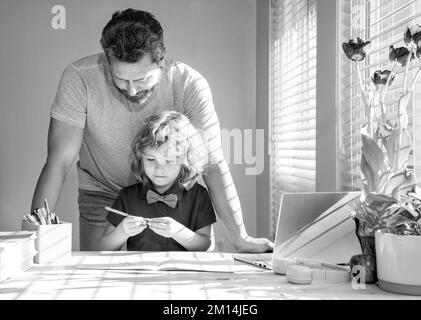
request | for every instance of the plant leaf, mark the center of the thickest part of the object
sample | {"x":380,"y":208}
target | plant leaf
{"x":372,"y":161}
{"x":368,"y":173}
{"x":401,"y":180}
{"x":391,"y":145}
{"x":384,"y":178}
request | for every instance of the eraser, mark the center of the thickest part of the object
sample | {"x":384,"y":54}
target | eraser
{"x":298,"y":274}
{"x":280,"y":265}
{"x":332,"y":276}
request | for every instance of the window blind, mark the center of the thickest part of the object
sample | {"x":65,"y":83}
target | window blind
{"x":383,"y":22}
{"x":293,"y":99}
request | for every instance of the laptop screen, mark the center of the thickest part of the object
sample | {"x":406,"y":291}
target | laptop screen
{"x":316,"y":226}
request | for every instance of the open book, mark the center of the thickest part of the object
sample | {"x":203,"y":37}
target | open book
{"x":165,"y":261}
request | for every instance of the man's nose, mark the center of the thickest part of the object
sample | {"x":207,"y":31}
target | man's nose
{"x":132,"y":88}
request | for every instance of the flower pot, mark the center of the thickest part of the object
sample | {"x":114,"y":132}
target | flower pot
{"x":398,"y":259}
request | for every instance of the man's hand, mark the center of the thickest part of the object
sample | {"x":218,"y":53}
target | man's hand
{"x":131,"y":226}
{"x":254,"y":245}
{"x":165,"y":226}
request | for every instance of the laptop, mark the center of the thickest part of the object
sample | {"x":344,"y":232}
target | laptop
{"x":315,"y":226}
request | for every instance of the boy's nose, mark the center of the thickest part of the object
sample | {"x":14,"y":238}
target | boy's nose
{"x":159,"y":166}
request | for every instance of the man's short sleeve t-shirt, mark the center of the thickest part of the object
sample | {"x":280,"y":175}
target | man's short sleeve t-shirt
{"x":87,"y":98}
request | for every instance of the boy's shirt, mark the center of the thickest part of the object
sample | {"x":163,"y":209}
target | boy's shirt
{"x":194,"y":210}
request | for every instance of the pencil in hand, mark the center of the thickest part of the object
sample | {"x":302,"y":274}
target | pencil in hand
{"x":121,"y":213}
{"x":141,"y":220}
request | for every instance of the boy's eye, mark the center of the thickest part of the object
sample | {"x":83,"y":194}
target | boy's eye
{"x":150,"y":159}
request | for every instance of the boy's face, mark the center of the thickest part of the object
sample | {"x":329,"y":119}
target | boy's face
{"x":162,"y":165}
{"x":136,"y":81}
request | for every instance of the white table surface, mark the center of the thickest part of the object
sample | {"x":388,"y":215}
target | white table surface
{"x":64,"y":280}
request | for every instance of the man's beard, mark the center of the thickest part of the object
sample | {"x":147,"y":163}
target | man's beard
{"x":141,"y":97}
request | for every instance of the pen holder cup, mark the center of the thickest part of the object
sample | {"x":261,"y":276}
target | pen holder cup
{"x":53,"y":241}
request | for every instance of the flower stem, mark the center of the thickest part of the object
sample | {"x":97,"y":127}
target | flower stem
{"x":387,"y":82}
{"x":397,"y":150}
{"x":367,"y":106}
{"x":405,"y":79}
{"x":411,"y":87}
{"x":361,"y":84}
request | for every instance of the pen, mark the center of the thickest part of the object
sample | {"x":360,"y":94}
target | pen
{"x":319,"y":264}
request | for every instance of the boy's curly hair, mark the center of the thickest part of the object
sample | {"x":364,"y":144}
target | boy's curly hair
{"x":174,"y":128}
{"x":131,"y":34}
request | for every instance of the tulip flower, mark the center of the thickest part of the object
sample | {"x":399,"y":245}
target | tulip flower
{"x":380,"y":77}
{"x":356,"y":51}
{"x":413,"y":35}
{"x":400,"y":55}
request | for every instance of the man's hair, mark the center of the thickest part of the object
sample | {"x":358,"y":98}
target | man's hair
{"x":131,"y":34}
{"x":175,"y":129}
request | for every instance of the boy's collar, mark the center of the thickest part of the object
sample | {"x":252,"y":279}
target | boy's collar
{"x":174,"y":189}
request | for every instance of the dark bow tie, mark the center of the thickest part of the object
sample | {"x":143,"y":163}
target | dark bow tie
{"x":169,"y":199}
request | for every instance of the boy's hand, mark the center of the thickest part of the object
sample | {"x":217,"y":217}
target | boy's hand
{"x":165,"y":226}
{"x":132,"y":226}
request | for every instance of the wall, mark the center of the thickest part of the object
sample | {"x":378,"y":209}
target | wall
{"x":327,"y":112}
{"x":218,"y":38}
{"x":262,"y":113}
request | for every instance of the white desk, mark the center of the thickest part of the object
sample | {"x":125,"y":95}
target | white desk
{"x":64,"y":280}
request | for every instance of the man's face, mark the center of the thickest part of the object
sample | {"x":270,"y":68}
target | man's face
{"x":136,"y":81}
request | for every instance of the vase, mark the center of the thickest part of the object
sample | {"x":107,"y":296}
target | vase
{"x":368,"y":247}
{"x":367,"y":241}
{"x":398,"y":259}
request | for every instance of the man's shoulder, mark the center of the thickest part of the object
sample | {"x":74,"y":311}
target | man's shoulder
{"x":94,"y":61}
{"x":182,"y":72}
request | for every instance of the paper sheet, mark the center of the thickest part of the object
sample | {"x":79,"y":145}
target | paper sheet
{"x":165,"y":261}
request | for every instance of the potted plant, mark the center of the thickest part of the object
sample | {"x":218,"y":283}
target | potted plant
{"x":388,"y":213}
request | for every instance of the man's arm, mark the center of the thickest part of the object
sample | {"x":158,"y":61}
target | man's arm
{"x":64,"y":143}
{"x":227,"y":204}
{"x":199,"y":108}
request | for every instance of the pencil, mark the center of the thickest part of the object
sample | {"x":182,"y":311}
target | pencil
{"x":117,"y":211}
{"x":46,"y":206}
{"x":48,"y":214}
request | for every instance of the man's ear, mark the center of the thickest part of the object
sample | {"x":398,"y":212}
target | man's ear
{"x":161,"y":59}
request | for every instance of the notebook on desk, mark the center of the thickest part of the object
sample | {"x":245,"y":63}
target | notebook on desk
{"x":312,"y":226}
